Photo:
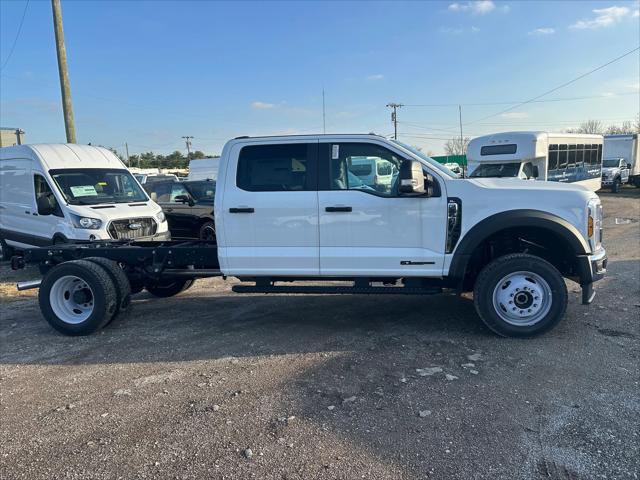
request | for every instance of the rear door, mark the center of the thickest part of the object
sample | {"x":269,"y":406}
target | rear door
{"x":369,"y":229}
{"x":270,"y":210}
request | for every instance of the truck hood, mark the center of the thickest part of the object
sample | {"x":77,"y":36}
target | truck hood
{"x":114,"y":211}
{"x":610,"y":170}
{"x":520,"y":184}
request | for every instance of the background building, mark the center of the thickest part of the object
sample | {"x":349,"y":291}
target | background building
{"x":11,"y":136}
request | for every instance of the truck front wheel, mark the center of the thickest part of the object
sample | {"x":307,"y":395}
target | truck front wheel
{"x":77,"y":297}
{"x":520,"y":295}
{"x":617,"y":183}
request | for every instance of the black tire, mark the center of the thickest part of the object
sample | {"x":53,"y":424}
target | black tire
{"x":103,"y":300}
{"x":207,"y":231}
{"x":552,"y":307}
{"x":120,"y":281}
{"x":169,"y":289}
{"x":615,"y":187}
{"x":6,"y":252}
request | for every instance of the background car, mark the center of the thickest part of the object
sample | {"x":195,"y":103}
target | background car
{"x":188,"y":207}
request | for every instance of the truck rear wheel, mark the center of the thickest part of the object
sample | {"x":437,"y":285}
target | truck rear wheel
{"x":169,"y":289}
{"x":120,"y":282}
{"x":520,"y":295}
{"x":77,"y":297}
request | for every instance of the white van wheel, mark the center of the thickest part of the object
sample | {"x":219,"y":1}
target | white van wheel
{"x":71,"y":299}
{"x":6,"y":252}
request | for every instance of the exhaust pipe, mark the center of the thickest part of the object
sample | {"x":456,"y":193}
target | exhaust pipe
{"x":28,"y":285}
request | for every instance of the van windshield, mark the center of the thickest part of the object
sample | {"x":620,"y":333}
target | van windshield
{"x":491,"y":170}
{"x":92,"y":186}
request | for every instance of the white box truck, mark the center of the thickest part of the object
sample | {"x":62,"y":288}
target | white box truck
{"x":621,"y":159}
{"x":286,"y":214}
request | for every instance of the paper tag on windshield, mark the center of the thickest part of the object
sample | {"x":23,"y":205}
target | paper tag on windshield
{"x":335,"y":152}
{"x":84,"y":191}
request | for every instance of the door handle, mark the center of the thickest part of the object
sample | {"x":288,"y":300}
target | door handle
{"x":338,"y":209}
{"x":27,"y":212}
{"x":241,"y":210}
{"x":168,"y":209}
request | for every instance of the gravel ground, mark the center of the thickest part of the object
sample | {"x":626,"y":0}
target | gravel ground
{"x":212,"y":384}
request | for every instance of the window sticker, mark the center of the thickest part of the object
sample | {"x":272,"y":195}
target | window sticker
{"x":84,"y":191}
{"x":335,"y":152}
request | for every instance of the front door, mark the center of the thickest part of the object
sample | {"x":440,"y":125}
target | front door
{"x":270,"y":210}
{"x":366,"y":227}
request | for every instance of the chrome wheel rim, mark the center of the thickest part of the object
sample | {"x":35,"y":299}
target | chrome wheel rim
{"x":71,"y":299}
{"x":522,"y":298}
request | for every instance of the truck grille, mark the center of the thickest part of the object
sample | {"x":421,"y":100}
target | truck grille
{"x":131,"y":228}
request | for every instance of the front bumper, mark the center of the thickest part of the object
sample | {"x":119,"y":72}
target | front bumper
{"x":593,"y":268}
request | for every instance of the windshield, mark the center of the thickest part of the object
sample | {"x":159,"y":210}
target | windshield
{"x":612,"y":162}
{"x":427,"y":159}
{"x":496,"y":170}
{"x":205,"y":190}
{"x":92,"y":186}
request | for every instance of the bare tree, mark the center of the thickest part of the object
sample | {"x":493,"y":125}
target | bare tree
{"x":456,"y":146}
{"x":626,"y":127}
{"x":590,"y":126}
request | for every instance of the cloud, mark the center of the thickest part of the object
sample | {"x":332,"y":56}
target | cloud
{"x":477,"y":7}
{"x":515,"y":115}
{"x":634,"y":86}
{"x":604,"y":17}
{"x":457,"y":30}
{"x":542,"y":31}
{"x":376,"y":76}
{"x":262,"y":105}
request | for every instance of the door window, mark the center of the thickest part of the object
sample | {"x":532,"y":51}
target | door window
{"x":43,"y":190}
{"x":177,"y":189}
{"x":365,"y":167}
{"x":275,"y":168}
{"x":159,"y":192}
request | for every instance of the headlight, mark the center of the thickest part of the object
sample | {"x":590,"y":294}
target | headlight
{"x":160,"y":216}
{"x":594,"y":223}
{"x":86,"y":222}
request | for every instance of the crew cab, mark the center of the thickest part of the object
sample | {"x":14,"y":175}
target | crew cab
{"x":290,"y":211}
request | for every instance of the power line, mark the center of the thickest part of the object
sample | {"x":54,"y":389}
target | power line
{"x":477,"y":104}
{"x":15,"y":40}
{"x":558,"y":87}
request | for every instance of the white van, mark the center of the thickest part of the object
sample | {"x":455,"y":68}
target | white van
{"x":203,"y":169}
{"x":373,"y":171}
{"x":57,"y":193}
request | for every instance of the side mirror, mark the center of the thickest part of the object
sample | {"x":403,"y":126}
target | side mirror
{"x":46,"y":205}
{"x":184,"y":199}
{"x":535,"y":173}
{"x":629,"y":166}
{"x":411,"y":178}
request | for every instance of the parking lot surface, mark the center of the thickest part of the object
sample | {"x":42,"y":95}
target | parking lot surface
{"x":211,"y":384}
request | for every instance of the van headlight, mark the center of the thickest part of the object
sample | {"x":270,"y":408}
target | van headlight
{"x":594,"y":224}
{"x":160,"y":216}
{"x":86,"y":222}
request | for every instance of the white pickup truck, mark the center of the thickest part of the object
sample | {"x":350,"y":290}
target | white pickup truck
{"x":289,"y":211}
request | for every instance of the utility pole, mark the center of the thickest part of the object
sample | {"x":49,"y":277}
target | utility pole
{"x":65,"y":86}
{"x":19,"y":133}
{"x":126,"y":147}
{"x":187,"y":141}
{"x":394,"y":117}
{"x":324,"y":124}
{"x":461,"y":137}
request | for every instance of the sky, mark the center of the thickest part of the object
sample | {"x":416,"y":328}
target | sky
{"x":148,"y":73}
